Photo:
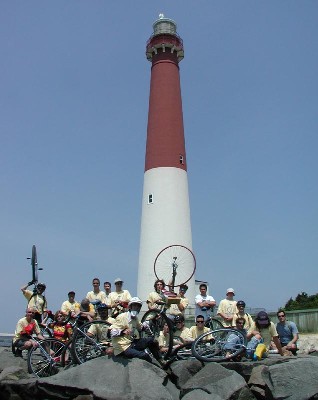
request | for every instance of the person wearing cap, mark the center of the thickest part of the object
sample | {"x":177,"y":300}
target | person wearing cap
{"x":70,"y":305}
{"x":125,"y":334}
{"x":204,"y":303}
{"x":227,"y":309}
{"x":263,"y":331}
{"x":101,"y":331}
{"x":36,"y":300}
{"x":96,"y":295}
{"x":179,"y":308}
{"x":120,"y":297}
{"x":182,"y":334}
{"x":240,"y":305}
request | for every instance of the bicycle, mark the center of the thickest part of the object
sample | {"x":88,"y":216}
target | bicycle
{"x":219,"y":345}
{"x":156,"y":320}
{"x":89,"y":341}
{"x":45,"y":359}
{"x":213,"y":323}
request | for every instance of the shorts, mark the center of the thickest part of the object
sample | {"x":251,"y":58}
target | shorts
{"x":20,"y":342}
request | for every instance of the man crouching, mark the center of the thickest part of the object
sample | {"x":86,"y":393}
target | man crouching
{"x":125,"y":334}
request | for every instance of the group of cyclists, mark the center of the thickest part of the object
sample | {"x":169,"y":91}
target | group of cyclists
{"x":121,"y":311}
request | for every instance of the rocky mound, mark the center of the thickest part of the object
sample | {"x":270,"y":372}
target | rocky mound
{"x":294,"y":378}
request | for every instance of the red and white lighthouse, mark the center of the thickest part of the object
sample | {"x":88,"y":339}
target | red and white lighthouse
{"x":165,"y":217}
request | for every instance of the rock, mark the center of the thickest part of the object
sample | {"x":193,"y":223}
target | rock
{"x":245,"y":368}
{"x":256,"y":382}
{"x":105,"y":378}
{"x":7,"y":359}
{"x":13,"y":373}
{"x":295,"y":380}
{"x":220,"y":383}
{"x":183,"y":370}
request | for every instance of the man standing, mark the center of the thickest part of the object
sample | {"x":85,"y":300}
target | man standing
{"x":204,"y":303}
{"x":70,"y":305}
{"x":107,"y":288}
{"x":227,"y":308}
{"x":288,"y":332}
{"x":36,"y":300}
{"x":96,"y":295}
{"x":120,"y":298}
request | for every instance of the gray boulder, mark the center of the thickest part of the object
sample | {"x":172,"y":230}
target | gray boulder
{"x":105,"y":378}
{"x":218,"y":382}
{"x":295,"y":380}
{"x":183,"y":370}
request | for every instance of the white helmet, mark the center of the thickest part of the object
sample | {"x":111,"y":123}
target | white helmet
{"x":135,"y":300}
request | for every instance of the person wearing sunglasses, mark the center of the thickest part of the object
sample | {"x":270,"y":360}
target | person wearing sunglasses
{"x":26,"y":327}
{"x":287,"y":332}
{"x":199,"y":328}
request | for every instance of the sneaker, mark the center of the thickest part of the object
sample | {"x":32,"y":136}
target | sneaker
{"x":18,"y":353}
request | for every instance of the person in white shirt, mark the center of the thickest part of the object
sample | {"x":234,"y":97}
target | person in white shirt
{"x":204,"y":303}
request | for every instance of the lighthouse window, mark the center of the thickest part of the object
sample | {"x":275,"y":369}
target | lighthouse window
{"x":181,"y":159}
{"x":150,"y":198}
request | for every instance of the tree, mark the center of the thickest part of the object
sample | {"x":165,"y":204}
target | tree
{"x":302,"y":301}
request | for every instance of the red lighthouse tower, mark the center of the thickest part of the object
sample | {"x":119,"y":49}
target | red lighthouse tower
{"x":165,"y":221}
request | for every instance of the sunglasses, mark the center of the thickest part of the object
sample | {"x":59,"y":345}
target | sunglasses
{"x":281,"y":316}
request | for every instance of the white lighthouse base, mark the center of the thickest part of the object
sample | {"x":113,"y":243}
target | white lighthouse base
{"x":165,"y":221}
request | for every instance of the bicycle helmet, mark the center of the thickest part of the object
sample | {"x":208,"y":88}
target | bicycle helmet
{"x":178,"y":318}
{"x":135,"y":300}
{"x":240,"y":303}
{"x":41,"y":285}
{"x":101,"y":307}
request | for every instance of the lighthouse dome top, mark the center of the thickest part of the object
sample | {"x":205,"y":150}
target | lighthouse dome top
{"x":164,"y":25}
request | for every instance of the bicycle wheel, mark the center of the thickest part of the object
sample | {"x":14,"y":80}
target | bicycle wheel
{"x":90,"y":341}
{"x":176,"y":258}
{"x":156,"y":320}
{"x":45,"y":359}
{"x":219,"y":345}
{"x":34,"y":264}
{"x":213,"y":324}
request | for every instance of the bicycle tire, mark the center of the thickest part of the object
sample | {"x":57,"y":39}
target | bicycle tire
{"x":156,"y":320}
{"x":45,"y":359}
{"x":215,"y":346}
{"x":85,"y":347}
{"x":185,"y":261}
{"x":34,"y":264}
{"x":213,"y":324}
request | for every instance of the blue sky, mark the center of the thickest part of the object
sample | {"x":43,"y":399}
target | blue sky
{"x":74,"y":99}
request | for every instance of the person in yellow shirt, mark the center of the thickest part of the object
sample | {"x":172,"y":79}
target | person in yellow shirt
{"x":199,"y":328}
{"x":26,"y":327}
{"x":36,"y":301}
{"x":70,"y":305}
{"x":125,"y":334}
